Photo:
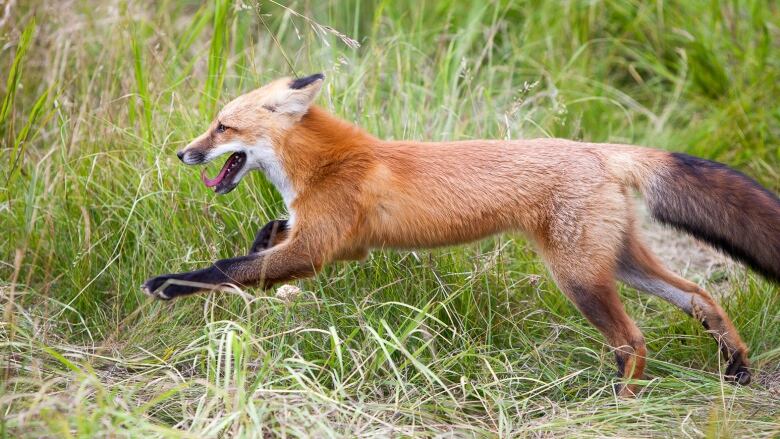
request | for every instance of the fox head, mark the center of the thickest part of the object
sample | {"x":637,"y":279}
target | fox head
{"x":250,"y":127}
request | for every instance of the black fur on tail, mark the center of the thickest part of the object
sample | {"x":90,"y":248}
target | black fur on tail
{"x":722,"y":207}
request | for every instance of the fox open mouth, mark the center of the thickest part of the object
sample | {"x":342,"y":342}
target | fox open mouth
{"x":224,"y":181}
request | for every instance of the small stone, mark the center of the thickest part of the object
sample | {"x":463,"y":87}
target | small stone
{"x":288,"y":293}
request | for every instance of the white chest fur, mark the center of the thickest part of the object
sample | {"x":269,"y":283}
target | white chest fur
{"x":262,"y":156}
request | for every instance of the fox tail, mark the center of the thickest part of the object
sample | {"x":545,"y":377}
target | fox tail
{"x":714,"y":203}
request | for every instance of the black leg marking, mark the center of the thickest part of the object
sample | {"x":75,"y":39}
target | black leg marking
{"x":620,"y":359}
{"x":265,"y":237}
{"x":736,"y":369}
{"x":169,"y":286}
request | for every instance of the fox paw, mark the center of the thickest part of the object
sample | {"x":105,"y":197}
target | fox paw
{"x":737,"y":369}
{"x":164,"y":287}
{"x":627,"y":391}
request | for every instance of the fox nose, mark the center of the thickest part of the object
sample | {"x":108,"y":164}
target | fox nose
{"x":180,"y":155}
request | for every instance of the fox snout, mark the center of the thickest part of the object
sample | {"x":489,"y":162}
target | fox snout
{"x":190,"y":157}
{"x":195,"y":153}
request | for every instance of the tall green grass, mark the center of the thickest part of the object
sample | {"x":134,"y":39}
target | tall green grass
{"x":468,"y":341}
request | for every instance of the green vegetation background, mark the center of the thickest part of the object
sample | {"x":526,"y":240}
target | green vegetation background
{"x":473,"y":340}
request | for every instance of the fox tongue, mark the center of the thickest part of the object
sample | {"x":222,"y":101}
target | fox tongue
{"x":209,"y":182}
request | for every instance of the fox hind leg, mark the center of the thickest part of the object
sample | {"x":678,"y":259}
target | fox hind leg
{"x":597,"y":298}
{"x":601,"y":305}
{"x":580,"y":247}
{"x":640,"y":269}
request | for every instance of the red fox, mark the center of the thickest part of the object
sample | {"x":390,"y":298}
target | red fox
{"x":348,"y":192}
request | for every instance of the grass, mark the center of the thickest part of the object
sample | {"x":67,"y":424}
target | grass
{"x":466,"y":341}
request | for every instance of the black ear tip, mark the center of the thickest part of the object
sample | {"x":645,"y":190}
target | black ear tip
{"x":300,"y":83}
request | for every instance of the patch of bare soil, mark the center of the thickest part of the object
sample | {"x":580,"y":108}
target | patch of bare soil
{"x":770,"y":380}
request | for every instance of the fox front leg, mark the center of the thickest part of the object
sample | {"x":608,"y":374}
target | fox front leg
{"x":270,"y":235}
{"x":168,"y":286}
{"x":287,"y":261}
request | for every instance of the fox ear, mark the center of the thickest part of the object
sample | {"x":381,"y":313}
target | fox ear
{"x":301,"y":92}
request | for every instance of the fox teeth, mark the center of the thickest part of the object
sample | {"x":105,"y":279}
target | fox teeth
{"x":236,"y":160}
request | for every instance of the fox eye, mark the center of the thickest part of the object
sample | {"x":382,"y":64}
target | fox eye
{"x":221,"y":128}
